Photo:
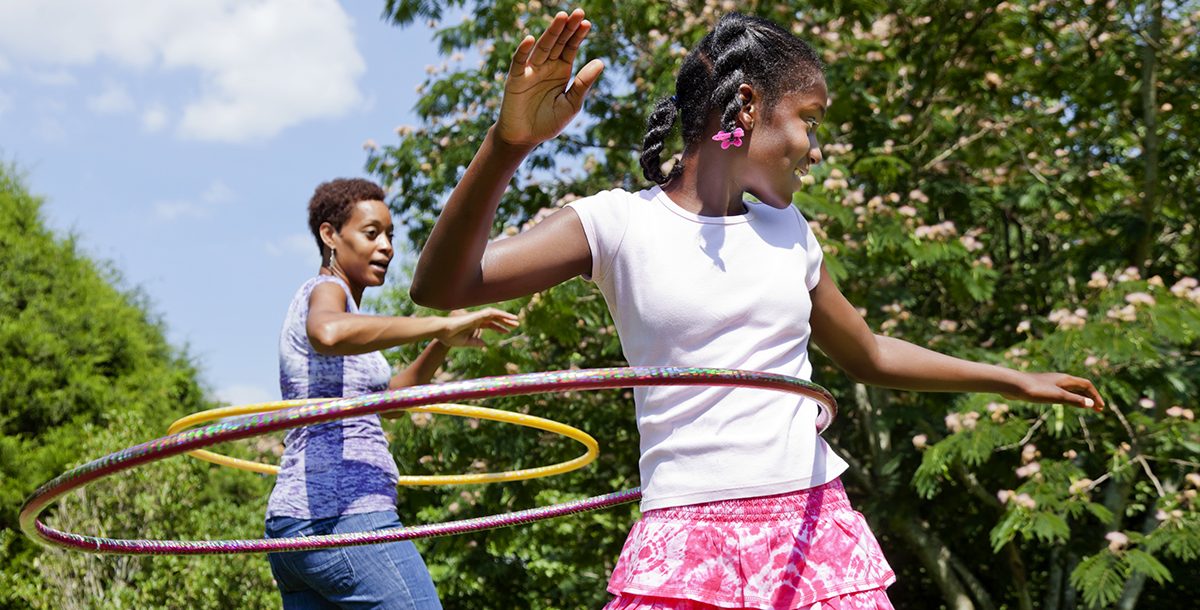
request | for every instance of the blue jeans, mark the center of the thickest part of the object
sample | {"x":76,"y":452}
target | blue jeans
{"x":390,"y":575}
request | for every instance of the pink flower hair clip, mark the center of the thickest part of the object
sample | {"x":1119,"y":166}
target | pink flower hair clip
{"x":728,"y":139}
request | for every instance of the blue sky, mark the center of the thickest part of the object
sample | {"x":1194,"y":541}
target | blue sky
{"x":180,"y":141}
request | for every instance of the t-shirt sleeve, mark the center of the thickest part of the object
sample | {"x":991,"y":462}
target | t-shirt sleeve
{"x":814,"y":255}
{"x":605,"y":217}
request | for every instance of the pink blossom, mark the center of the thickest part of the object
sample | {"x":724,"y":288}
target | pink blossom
{"x":920,"y":441}
{"x":1029,"y":470}
{"x":1128,"y":275}
{"x":1139,"y":298}
{"x":1123,"y":314}
{"x":1184,"y":286}
{"x":997,"y":411}
{"x":1116,"y":541}
{"x":954,"y":422}
{"x":1025,"y":501}
{"x":1080,"y":487}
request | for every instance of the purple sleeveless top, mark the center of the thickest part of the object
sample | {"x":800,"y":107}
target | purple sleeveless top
{"x":334,"y":468}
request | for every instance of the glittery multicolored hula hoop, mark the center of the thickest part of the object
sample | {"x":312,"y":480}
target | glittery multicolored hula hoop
{"x":508,"y":417}
{"x":487,"y":387}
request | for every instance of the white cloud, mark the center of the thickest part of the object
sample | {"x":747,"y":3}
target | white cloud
{"x":154,"y":118}
{"x":113,"y":100}
{"x":244,"y":394}
{"x":174,"y":209}
{"x":263,"y":65}
{"x":53,"y":78}
{"x":296,"y":244}
{"x":216,"y":194}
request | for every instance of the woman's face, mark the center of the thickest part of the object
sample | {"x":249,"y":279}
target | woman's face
{"x":363,"y":246}
{"x":783,"y":145}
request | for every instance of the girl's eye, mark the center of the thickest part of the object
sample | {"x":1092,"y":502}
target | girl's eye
{"x":371,"y":234}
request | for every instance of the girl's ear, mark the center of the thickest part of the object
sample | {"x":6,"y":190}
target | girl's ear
{"x":328,"y":234}
{"x":750,"y":103}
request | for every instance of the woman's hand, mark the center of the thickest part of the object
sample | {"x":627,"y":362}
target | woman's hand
{"x":463,"y":328}
{"x":537,"y":104}
{"x":1058,"y":388}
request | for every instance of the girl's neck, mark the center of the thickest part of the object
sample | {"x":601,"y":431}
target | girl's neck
{"x":708,"y":185}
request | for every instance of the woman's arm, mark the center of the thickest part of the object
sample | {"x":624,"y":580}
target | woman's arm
{"x":458,"y":267}
{"x":422,"y":369}
{"x":333,"y":331}
{"x":889,"y":362}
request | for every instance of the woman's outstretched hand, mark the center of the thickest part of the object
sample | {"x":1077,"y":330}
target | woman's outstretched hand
{"x":1059,"y":388}
{"x":537,"y":103}
{"x":464,"y":328}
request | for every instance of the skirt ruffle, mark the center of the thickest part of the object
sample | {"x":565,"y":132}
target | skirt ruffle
{"x":875,"y":599}
{"x":784,"y":552}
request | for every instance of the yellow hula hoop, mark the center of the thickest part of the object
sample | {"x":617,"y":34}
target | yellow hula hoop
{"x":520,"y":419}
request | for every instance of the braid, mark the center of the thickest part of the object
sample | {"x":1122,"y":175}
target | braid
{"x":737,"y":51}
{"x":658,"y":127}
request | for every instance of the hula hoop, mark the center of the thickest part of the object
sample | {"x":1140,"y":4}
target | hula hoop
{"x":487,"y":387}
{"x":520,"y":419}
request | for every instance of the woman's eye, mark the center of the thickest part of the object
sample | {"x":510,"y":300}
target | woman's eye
{"x":371,"y":234}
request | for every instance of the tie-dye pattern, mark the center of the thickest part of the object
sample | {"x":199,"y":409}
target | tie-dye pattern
{"x":334,"y":468}
{"x":788,"y":551}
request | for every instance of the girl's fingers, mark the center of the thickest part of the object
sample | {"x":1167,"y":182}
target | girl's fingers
{"x":583,"y":82}
{"x":571,"y":48}
{"x":521,"y":56}
{"x":546,"y":42}
{"x":1087,"y":391}
{"x":568,"y":32}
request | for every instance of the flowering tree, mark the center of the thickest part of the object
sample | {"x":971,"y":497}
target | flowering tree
{"x":1012,"y":183}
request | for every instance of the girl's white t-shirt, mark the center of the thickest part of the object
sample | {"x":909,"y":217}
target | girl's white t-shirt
{"x":723,"y":292}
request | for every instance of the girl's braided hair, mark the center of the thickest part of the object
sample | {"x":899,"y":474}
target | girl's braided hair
{"x":740,"y":49}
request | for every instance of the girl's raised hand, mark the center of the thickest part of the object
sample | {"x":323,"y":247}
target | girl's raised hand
{"x":537,"y":103}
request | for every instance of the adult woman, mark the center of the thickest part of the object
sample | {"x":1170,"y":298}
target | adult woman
{"x":340,"y":476}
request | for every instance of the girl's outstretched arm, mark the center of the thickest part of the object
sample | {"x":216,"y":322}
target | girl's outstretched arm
{"x":889,"y":362}
{"x":457,"y":267}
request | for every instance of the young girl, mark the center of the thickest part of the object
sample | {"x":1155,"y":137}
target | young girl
{"x":339,"y":476}
{"x":742,"y":506}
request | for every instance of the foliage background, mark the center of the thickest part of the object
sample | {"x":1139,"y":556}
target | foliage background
{"x":1013,"y":183}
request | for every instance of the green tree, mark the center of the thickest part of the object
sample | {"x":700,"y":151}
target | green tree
{"x":84,"y":371}
{"x":1011,"y":183}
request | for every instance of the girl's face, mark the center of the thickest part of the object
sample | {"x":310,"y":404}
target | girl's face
{"x":783,"y":145}
{"x":363,"y":246}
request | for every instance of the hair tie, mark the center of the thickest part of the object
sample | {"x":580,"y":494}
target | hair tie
{"x":730,"y":138}
{"x":674,"y":101}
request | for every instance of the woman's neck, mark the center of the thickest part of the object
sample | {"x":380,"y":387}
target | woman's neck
{"x":355,"y":291}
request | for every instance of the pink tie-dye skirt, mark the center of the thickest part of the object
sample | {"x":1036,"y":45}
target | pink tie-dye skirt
{"x":804,"y":550}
